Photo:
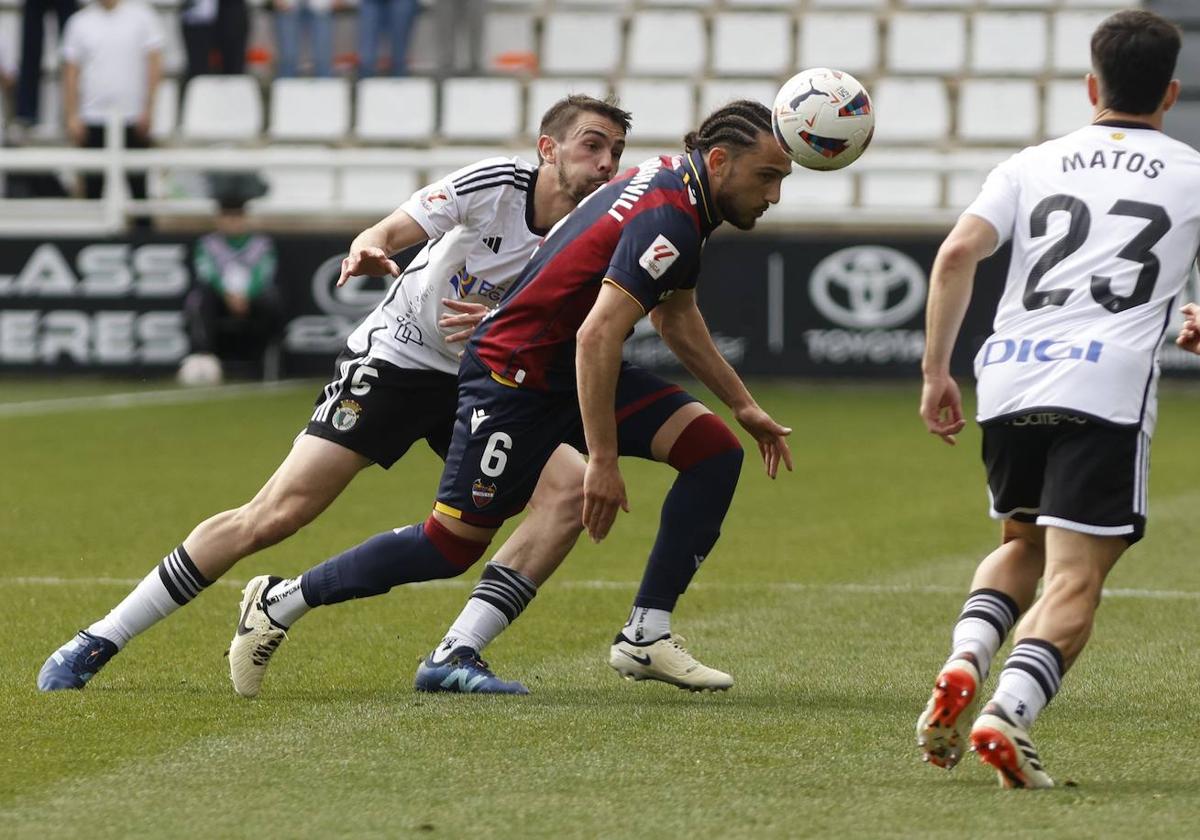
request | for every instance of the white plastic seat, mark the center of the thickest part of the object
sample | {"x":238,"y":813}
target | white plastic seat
{"x":1001,"y":110}
{"x":717,"y":92}
{"x":910,"y":110}
{"x":849,"y":4}
{"x":932,"y":42}
{"x":174,"y":55}
{"x":1071,"y":47}
{"x":310,"y":109}
{"x":222,"y":108}
{"x":751,"y":44}
{"x":508,"y":40}
{"x":396,"y":109}
{"x":962,"y":188}
{"x":804,"y":190}
{"x":1008,"y":4}
{"x":481,"y":109}
{"x":847,"y":42}
{"x":666,"y":43}
{"x":543,"y":93}
{"x":662,"y":109}
{"x":1066,"y":107}
{"x":376,"y":191}
{"x":581,"y":42}
{"x":1009,"y":43}
{"x":293,"y":189}
{"x":900,"y":189}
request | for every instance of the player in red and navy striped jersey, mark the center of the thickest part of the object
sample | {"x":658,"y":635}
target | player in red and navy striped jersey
{"x":545,"y":369}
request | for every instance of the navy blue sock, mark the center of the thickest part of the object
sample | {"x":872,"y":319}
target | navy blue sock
{"x":407,"y":555}
{"x":688,"y":528}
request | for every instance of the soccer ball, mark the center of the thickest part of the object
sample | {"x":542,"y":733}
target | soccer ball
{"x":200,"y":370}
{"x":823,"y":118}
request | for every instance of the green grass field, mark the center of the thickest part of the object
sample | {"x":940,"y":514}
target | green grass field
{"x":830,"y":597}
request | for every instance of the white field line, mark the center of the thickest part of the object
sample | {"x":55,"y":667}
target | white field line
{"x":780,"y":586}
{"x":175,"y":396}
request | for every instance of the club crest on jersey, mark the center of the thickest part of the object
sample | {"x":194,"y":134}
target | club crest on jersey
{"x":466,"y":284}
{"x":434,"y":196}
{"x":346,"y":415}
{"x":482,"y":493}
{"x":658,"y":257}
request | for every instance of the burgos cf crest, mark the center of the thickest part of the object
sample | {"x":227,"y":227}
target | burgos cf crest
{"x":346,"y":415}
{"x":482,"y":493}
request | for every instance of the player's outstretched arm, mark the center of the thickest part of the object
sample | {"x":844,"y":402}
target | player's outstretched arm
{"x":597,"y":367}
{"x":1189,"y":333}
{"x":950,"y":285}
{"x":371,"y":251}
{"x":682,"y":327}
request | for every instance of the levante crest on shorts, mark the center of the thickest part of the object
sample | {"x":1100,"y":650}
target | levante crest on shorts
{"x":346,"y":415}
{"x":482,"y":493}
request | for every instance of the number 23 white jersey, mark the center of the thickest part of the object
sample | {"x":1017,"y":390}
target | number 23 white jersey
{"x":1104,"y":224}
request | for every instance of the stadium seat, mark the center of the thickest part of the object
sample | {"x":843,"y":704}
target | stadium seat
{"x":761,"y":3}
{"x":1026,"y":4}
{"x":376,"y":191}
{"x":545,"y":92}
{"x":910,"y":110}
{"x":1071,"y":47}
{"x":751,"y":44}
{"x":579,"y":42}
{"x":849,"y":4}
{"x":901,"y":189}
{"x":1001,"y":110}
{"x":646,"y":55}
{"x":293,"y":189}
{"x":396,"y":109}
{"x":50,"y":110}
{"x":962,"y":188}
{"x":174,"y":60}
{"x":920,"y":42}
{"x":662,"y":110}
{"x":717,"y":92}
{"x":309,"y":109}
{"x":481,"y":109}
{"x":222,"y":108}
{"x":1008,"y":43}
{"x":804,"y":191}
{"x":166,"y":110}
{"x":848,"y":42}
{"x":508,"y":42}
{"x":1066,"y":107}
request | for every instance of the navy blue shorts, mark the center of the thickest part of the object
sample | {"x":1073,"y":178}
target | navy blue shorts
{"x":504,"y":435}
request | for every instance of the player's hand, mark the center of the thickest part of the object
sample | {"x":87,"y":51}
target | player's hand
{"x":238,"y":305}
{"x":1189,"y":333}
{"x":603,"y":495}
{"x":771,"y":437}
{"x":370,"y":261}
{"x":941,"y":407}
{"x":470,"y":316}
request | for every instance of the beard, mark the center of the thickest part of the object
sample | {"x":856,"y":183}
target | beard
{"x":739,"y":217}
{"x":577,"y":190}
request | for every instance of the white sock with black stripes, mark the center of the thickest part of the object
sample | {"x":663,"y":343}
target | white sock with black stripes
{"x":172,"y":583}
{"x":986,"y":618}
{"x":1030,"y":679}
{"x":500,"y":596}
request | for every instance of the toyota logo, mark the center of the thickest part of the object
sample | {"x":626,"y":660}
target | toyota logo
{"x":868,"y":287}
{"x":359,"y":296}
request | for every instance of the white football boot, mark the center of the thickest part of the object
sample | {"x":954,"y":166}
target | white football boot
{"x":666,"y":660}
{"x":256,"y":640}
{"x":945,"y":725}
{"x":1006,"y":746}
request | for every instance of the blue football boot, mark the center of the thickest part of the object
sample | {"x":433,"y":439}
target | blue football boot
{"x":462,"y":672}
{"x":76,"y":662}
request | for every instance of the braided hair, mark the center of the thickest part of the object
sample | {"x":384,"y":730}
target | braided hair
{"x":735,"y":126}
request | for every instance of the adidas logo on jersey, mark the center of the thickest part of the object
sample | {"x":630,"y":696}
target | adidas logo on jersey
{"x":493,"y":243}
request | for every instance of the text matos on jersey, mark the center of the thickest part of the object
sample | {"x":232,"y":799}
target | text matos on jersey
{"x":1104,"y":224}
{"x":481,"y":234}
{"x":642,"y":232}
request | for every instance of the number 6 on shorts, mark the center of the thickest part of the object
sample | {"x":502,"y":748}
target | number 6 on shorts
{"x":495,"y":454}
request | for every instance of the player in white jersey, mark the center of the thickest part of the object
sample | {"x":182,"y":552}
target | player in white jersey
{"x":1104,"y":225}
{"x":395,"y":384}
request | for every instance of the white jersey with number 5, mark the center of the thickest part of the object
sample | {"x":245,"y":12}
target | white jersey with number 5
{"x":1104,"y":224}
{"x":480,"y":226}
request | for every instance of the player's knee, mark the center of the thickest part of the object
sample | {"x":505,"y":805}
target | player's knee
{"x":708,"y":441}
{"x":458,"y":552}
{"x":560,"y":494}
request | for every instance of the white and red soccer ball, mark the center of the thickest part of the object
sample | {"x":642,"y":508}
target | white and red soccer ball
{"x":823,"y":118}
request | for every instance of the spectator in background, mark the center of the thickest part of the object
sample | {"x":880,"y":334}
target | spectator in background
{"x":459,"y":27}
{"x":380,"y":18}
{"x":112,"y":62}
{"x":233,"y":311}
{"x":315,"y":17}
{"x":33,"y":34}
{"x":220,"y":25}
